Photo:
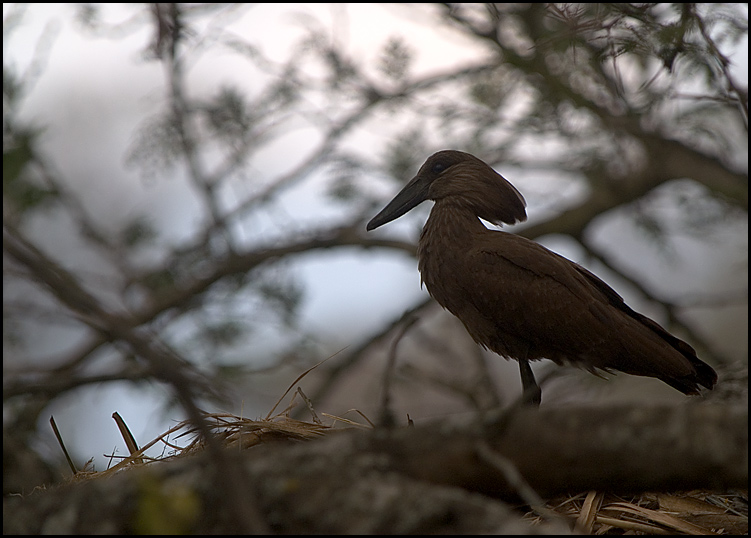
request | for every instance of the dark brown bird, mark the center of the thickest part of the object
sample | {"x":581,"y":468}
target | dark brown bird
{"x":519,"y":299}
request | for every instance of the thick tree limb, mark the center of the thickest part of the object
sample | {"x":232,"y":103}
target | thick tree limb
{"x":416,"y":479}
{"x":560,"y":450}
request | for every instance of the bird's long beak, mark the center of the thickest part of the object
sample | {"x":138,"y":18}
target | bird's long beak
{"x":414,"y":193}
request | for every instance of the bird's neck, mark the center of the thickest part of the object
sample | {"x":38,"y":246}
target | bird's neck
{"x":450,"y":232}
{"x":451,"y":223}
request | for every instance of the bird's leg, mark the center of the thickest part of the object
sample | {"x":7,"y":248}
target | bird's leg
{"x":531,"y":392}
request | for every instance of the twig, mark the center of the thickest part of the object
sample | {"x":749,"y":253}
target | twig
{"x":515,"y":480}
{"x":298,"y":378}
{"x":310,"y":406}
{"x":62,"y":445}
{"x":387,"y":416}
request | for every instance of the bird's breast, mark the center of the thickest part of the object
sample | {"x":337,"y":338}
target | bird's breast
{"x":448,"y":268}
{"x":443,"y":251}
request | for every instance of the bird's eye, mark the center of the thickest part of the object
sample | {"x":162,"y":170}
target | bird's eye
{"x":437,"y":168}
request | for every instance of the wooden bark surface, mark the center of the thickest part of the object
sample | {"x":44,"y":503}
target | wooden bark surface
{"x":441,"y":478}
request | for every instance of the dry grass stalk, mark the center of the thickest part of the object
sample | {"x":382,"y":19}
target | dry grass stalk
{"x":694,"y":513}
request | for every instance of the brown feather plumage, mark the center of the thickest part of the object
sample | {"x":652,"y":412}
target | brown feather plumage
{"x":519,"y":299}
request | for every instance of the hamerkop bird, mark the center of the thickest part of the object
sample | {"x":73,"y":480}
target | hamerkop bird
{"x":519,"y":299}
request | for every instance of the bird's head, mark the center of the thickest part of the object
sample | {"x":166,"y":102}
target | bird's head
{"x":457,"y":177}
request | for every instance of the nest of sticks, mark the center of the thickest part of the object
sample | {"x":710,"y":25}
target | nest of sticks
{"x":594,"y":513}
